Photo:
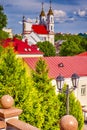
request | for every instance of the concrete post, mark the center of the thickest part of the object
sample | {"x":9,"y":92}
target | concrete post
{"x":68,"y":122}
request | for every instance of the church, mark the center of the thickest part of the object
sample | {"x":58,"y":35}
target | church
{"x":40,"y":31}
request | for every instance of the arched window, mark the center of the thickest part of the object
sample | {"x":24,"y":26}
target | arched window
{"x":51,"y":19}
{"x":51,"y":28}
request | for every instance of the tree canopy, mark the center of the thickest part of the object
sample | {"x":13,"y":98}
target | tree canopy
{"x":47,"y":48}
{"x":13,"y":79}
{"x":43,"y":112}
{"x":72,"y":44}
{"x":3,"y":18}
{"x":3,"y":35}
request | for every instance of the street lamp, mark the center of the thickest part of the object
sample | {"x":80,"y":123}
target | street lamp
{"x":60,"y":83}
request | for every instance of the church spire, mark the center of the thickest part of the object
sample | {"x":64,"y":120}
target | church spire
{"x":42,"y":16}
{"x":50,"y":19}
{"x":50,"y":12}
{"x":42,"y":12}
{"x":50,"y":4}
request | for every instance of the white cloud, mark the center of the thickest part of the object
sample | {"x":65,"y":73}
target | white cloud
{"x":82,"y":13}
{"x":59,"y":13}
{"x":20,"y":22}
{"x":59,"y":16}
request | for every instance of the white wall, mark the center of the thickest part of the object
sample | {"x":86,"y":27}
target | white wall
{"x":28,"y":55}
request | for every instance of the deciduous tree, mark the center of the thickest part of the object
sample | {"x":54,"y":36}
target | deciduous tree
{"x":3,"y":18}
{"x":47,"y":48}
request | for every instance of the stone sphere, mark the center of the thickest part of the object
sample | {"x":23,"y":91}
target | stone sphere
{"x":6,"y":101}
{"x":68,"y":122}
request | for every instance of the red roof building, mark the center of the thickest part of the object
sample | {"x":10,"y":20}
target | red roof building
{"x":66,"y":66}
{"x":82,"y":54}
{"x":22,"y":49}
{"x":62,"y":65}
{"x":41,"y":30}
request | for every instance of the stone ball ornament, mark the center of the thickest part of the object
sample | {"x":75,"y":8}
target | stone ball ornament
{"x":68,"y":122}
{"x":6,"y":101}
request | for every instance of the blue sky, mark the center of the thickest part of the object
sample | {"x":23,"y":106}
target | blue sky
{"x":70,"y":15}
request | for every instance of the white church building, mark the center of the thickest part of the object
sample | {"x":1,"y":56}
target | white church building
{"x":40,"y":31}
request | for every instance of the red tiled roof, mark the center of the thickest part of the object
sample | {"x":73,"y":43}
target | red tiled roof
{"x":82,"y":54}
{"x":40,"y":29}
{"x":74,"y":64}
{"x":22,"y":47}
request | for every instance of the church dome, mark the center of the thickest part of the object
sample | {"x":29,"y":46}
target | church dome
{"x":42,"y":13}
{"x":50,"y":12}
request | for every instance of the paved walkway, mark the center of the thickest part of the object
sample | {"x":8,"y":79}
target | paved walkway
{"x":85,"y":126}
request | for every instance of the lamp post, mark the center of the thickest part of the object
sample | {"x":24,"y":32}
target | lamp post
{"x":60,"y":83}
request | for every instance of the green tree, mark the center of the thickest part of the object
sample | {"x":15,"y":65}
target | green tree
{"x":75,"y":108}
{"x":3,"y":35}
{"x":83,"y":43}
{"x":18,"y":36}
{"x":45,"y":106}
{"x":13,"y":78}
{"x":73,"y":45}
{"x":70,"y":48}
{"x":47,"y":48}
{"x":3,"y":18}
{"x":15,"y":81}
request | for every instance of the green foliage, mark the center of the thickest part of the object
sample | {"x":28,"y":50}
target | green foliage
{"x":3,"y":35}
{"x":72,"y":45}
{"x":42,"y":106}
{"x":83,"y":44}
{"x":3,"y":18}
{"x":47,"y":48}
{"x":36,"y":98}
{"x":1,"y":49}
{"x":18,"y":36}
{"x":60,"y":37}
{"x":76,"y":110}
{"x":69,"y":48}
{"x":41,"y":73}
{"x":74,"y":107}
{"x":13,"y":80}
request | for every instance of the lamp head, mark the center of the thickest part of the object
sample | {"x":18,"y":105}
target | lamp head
{"x":59,"y":82}
{"x":75,"y":80}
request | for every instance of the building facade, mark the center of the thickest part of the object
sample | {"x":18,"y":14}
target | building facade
{"x":71,"y":64}
{"x":42,"y":30}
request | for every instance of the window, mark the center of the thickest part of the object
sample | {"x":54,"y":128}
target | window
{"x":83,"y":90}
{"x":51,"y":28}
{"x":51,"y":19}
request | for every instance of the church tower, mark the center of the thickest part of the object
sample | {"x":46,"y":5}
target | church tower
{"x":50,"y":20}
{"x":23,"y":22}
{"x":42,"y":16}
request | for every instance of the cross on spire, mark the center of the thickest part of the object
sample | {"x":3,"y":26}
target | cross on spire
{"x":42,"y":5}
{"x":50,"y":4}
